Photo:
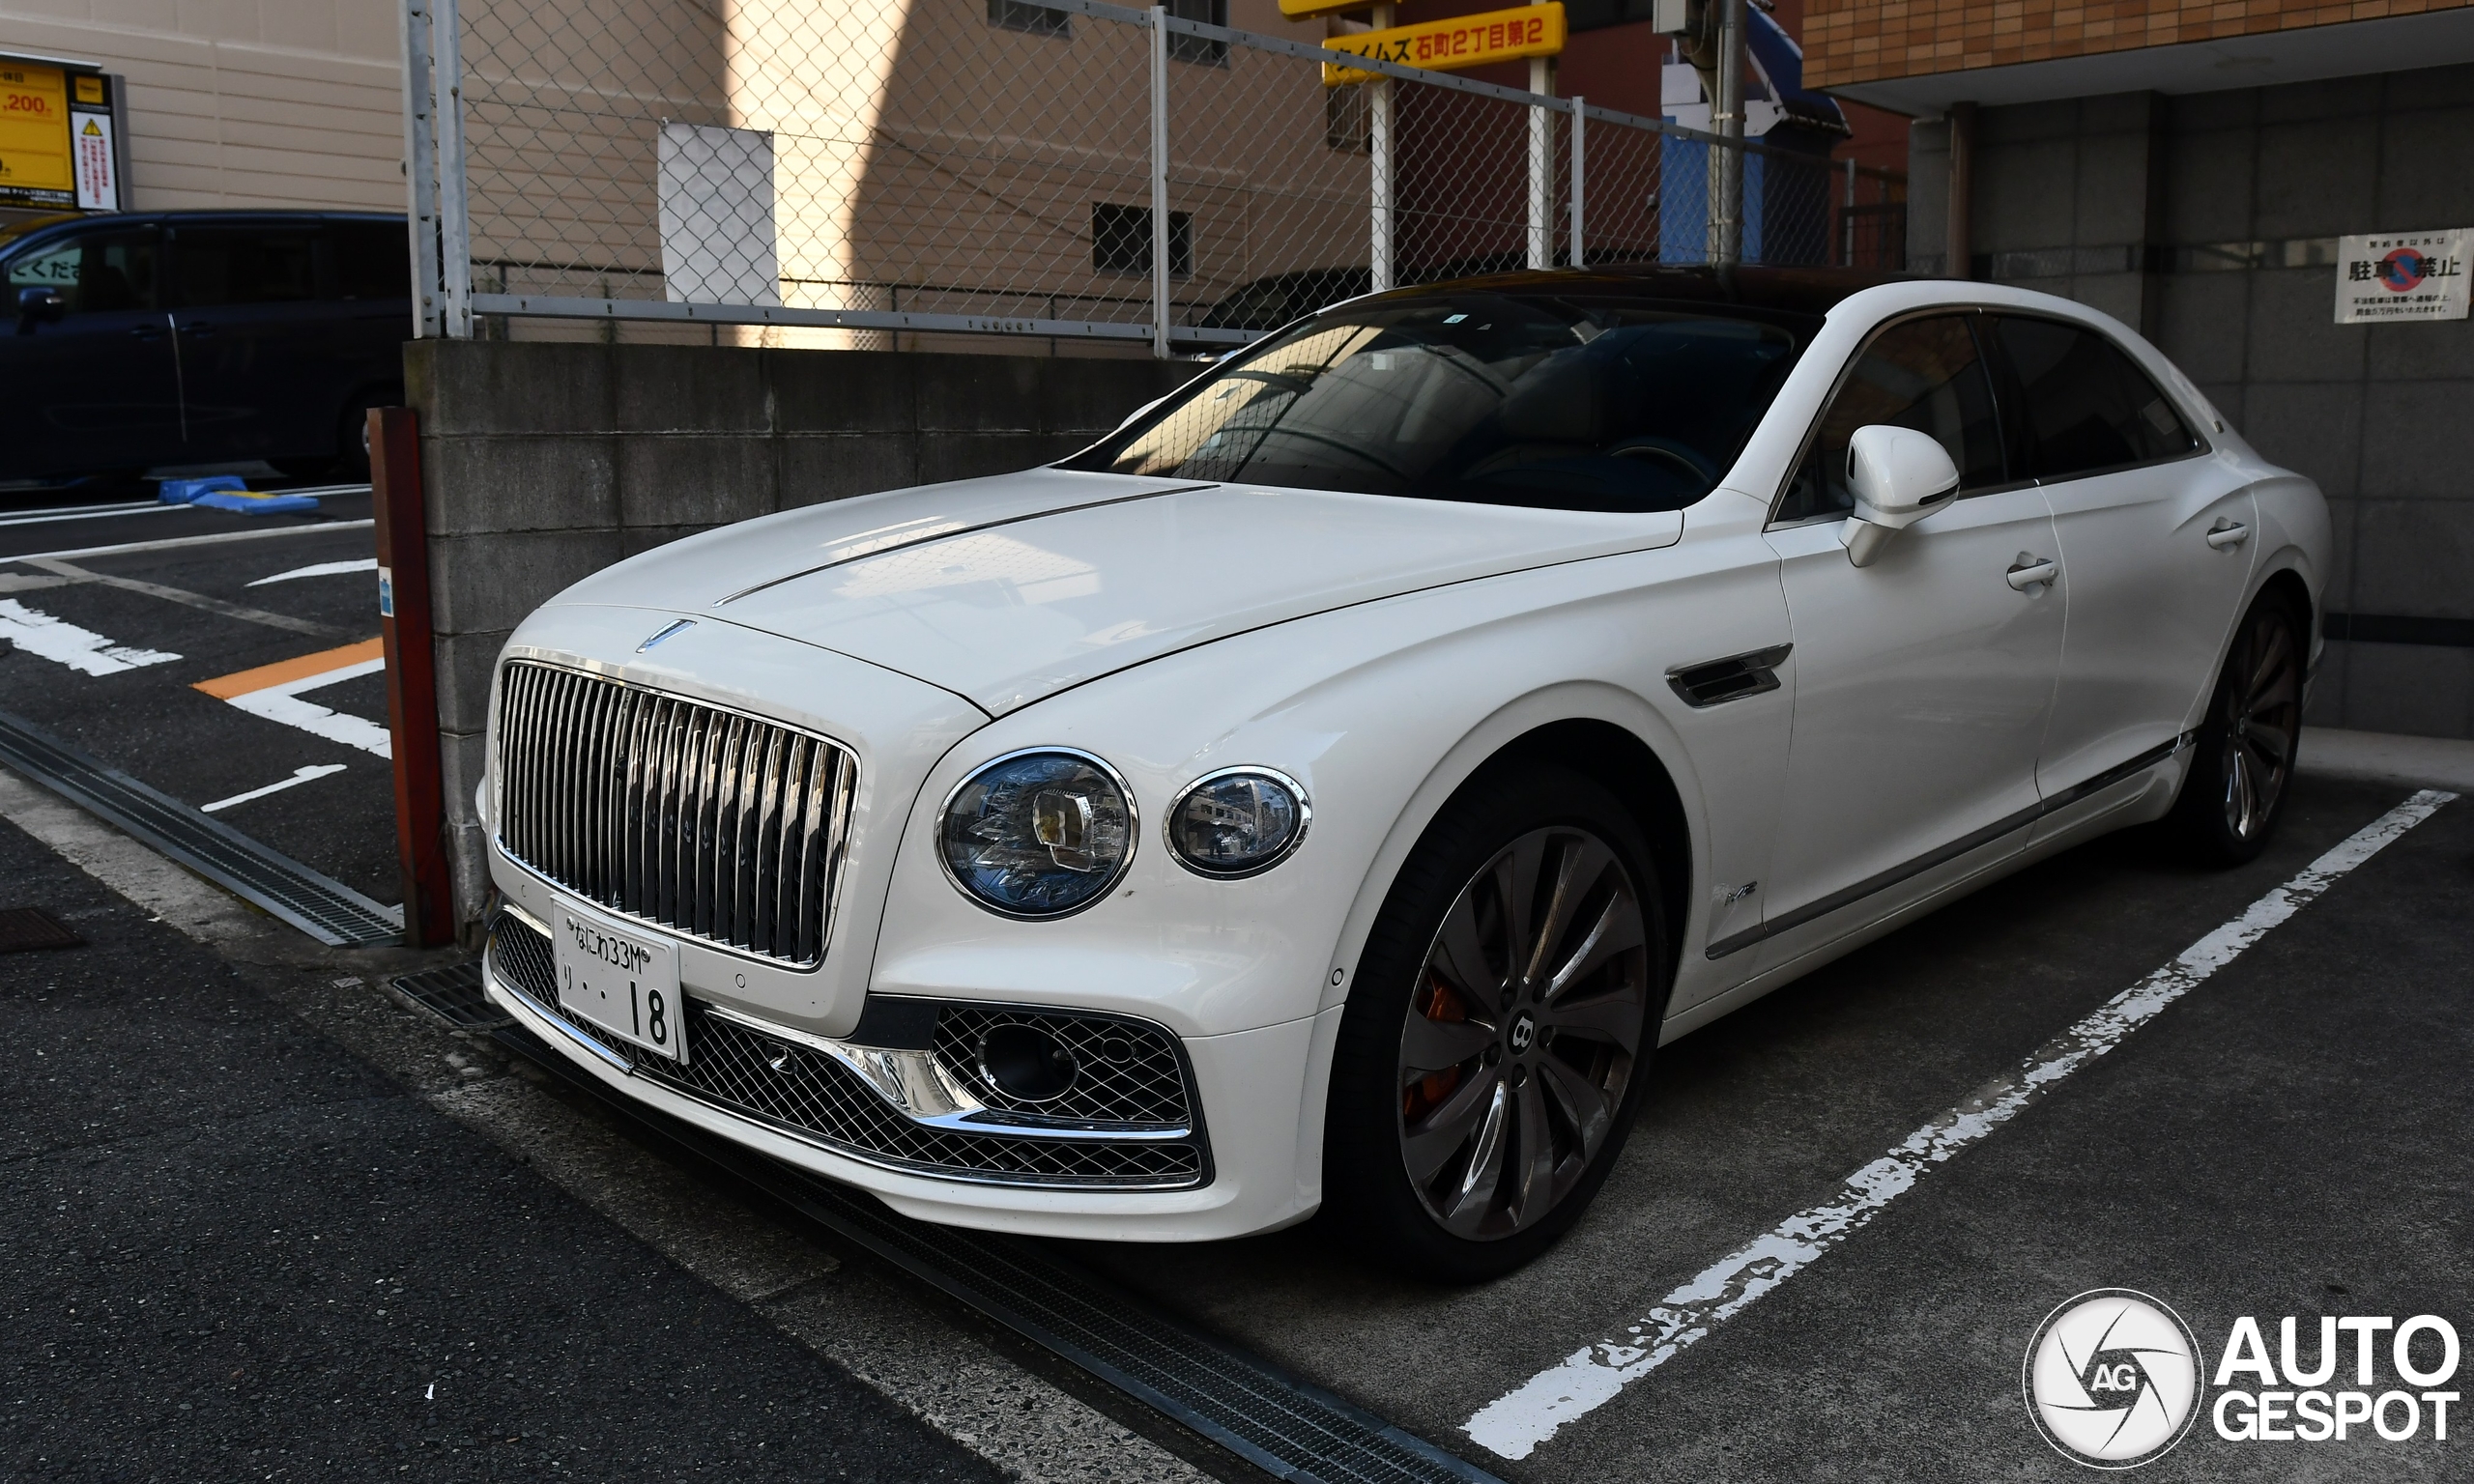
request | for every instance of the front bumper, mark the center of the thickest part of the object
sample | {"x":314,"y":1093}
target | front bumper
{"x":777,"y":1096}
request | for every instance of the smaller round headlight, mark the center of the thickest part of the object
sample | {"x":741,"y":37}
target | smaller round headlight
{"x":1237,"y":822}
{"x":1038,"y":834}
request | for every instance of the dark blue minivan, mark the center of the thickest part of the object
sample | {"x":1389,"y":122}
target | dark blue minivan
{"x":166,"y":340}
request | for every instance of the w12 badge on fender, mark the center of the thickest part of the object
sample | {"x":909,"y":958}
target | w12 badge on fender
{"x":620,"y":982}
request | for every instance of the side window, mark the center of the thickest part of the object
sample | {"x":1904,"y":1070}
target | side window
{"x":372,"y":261}
{"x":2087,"y":405}
{"x":220,"y":266}
{"x":95,"y":272}
{"x":1922,"y":374}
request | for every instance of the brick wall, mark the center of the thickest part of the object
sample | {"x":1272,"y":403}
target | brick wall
{"x":1862,"y":41}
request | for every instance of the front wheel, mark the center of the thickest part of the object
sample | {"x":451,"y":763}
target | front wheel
{"x":2248,"y":741}
{"x":1495,"y":1044}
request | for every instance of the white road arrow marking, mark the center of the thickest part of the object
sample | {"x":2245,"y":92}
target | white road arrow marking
{"x":83,"y":651}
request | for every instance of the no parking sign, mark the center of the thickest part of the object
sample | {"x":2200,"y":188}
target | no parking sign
{"x":2402,"y":275}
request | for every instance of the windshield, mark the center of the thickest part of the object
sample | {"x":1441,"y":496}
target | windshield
{"x":1487,"y":398}
{"x":11,"y":231}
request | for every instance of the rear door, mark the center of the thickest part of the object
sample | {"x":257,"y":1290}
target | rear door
{"x":256,"y":343}
{"x":1923,"y":681}
{"x":99,"y":390}
{"x":2155,"y":539}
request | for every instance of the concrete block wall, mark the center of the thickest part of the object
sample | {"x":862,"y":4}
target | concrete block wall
{"x":543,"y":463}
{"x":2209,"y":221}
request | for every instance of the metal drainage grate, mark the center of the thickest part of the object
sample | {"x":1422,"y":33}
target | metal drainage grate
{"x":324,"y":908}
{"x":30,"y":928}
{"x":1286,"y":1427}
{"x":454,"y":994}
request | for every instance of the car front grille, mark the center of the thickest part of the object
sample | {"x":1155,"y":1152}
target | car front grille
{"x":709,"y":823}
{"x":779,"y":1082}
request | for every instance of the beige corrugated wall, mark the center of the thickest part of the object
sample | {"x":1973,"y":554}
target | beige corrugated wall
{"x":242,"y":102}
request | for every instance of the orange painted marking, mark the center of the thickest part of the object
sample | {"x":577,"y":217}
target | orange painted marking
{"x":242,"y":682}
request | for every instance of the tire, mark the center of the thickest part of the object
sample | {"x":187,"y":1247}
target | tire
{"x":1469,"y":1169}
{"x":2248,"y":742}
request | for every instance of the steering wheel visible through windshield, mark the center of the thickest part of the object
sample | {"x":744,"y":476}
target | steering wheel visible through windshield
{"x":1490,"y":398}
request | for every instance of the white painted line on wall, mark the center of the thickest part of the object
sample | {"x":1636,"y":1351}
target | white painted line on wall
{"x":1515,"y":1423}
{"x":83,"y":651}
{"x":321,"y":569}
{"x":299,"y":776}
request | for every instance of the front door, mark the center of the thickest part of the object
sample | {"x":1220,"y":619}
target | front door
{"x":96,"y":391}
{"x":1923,"y":681}
{"x":257,"y":344}
{"x":2156,"y":538}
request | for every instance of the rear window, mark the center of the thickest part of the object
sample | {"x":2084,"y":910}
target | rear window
{"x":1506,"y":399}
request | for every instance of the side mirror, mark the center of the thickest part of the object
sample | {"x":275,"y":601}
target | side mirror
{"x":1899,"y":476}
{"x":39,"y":305}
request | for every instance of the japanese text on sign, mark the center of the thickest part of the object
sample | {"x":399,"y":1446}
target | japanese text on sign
{"x":34,"y":135}
{"x":2402,"y":275}
{"x":1463,"y":41}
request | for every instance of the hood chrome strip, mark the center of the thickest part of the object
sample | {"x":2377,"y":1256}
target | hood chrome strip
{"x":941,"y":533}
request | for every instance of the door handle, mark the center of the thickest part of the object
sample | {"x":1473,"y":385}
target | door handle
{"x":2225,"y":535}
{"x":145,"y":331}
{"x":196,"y":327}
{"x":2027,"y":572}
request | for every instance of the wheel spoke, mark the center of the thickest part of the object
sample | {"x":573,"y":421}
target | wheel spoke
{"x":1617,"y":929}
{"x":1532,"y":1172}
{"x":1485,"y":1172}
{"x":1428,"y":1044}
{"x":1515,"y":880}
{"x":2269,"y":744}
{"x":2239,"y":798}
{"x":1577,"y":864}
{"x":1615,"y":1018}
{"x":2274,"y":663}
{"x":1584,"y":1107}
{"x":1459,"y":955}
{"x":1428,"y":1146}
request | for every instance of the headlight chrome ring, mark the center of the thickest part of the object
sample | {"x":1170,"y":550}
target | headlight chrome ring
{"x":1218,"y":793}
{"x":1039,"y":833}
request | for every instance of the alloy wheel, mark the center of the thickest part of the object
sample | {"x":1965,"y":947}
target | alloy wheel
{"x":1522,"y":1033}
{"x":2262,"y":715}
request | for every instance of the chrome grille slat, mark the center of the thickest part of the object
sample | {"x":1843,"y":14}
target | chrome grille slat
{"x":702,"y":821}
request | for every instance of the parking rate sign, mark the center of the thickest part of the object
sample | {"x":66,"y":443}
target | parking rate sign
{"x":34,"y":136}
{"x":2402,"y":275}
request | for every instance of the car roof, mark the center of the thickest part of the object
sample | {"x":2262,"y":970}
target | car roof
{"x":48,"y":226}
{"x":1801,"y":291}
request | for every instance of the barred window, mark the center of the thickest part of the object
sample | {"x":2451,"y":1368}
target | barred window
{"x":1037,"y":20}
{"x":1196,"y":48}
{"x":1121,"y":239}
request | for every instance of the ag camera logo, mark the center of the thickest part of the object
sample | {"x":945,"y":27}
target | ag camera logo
{"x":2113,"y":1378}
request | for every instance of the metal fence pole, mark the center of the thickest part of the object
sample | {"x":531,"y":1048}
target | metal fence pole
{"x":1580,"y":176}
{"x":1160,"y":181}
{"x":454,"y":221}
{"x":1726,"y":159}
{"x":1378,"y":141}
{"x":420,"y":170}
{"x":1541,"y":167}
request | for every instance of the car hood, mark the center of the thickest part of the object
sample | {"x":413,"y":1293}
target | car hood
{"x":1009,"y":589}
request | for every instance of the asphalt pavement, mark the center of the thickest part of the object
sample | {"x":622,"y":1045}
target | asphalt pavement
{"x":105,"y":651}
{"x":237,"y":1251}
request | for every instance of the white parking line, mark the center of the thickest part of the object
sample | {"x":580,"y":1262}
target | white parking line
{"x":299,"y":776}
{"x":83,"y":651}
{"x":79,"y":513}
{"x":321,"y":569}
{"x":274,"y":692}
{"x":312,"y":528}
{"x":1515,"y":1423}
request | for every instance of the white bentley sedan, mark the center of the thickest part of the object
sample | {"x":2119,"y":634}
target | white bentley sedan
{"x":1327,"y":791}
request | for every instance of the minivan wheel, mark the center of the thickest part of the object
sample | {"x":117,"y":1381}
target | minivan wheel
{"x":2248,"y":742}
{"x":1494,"y":1046}
{"x":352,"y":435}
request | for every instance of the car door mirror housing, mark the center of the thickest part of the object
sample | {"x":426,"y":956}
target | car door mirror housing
{"x":39,"y":305}
{"x":1898,"y":476}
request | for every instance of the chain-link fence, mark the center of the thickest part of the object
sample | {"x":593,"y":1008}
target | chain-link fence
{"x":827,"y":173}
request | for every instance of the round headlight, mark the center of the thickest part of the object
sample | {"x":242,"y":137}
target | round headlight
{"x":1038,"y":834}
{"x":1237,"y":822}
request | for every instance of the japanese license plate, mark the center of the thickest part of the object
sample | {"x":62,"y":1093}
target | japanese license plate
{"x":620,"y":981}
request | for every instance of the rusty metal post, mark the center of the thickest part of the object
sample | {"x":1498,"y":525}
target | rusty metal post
{"x":412,"y":677}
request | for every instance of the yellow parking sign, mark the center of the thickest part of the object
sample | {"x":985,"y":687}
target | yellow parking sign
{"x":1461,"y":41}
{"x":34,"y":135}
